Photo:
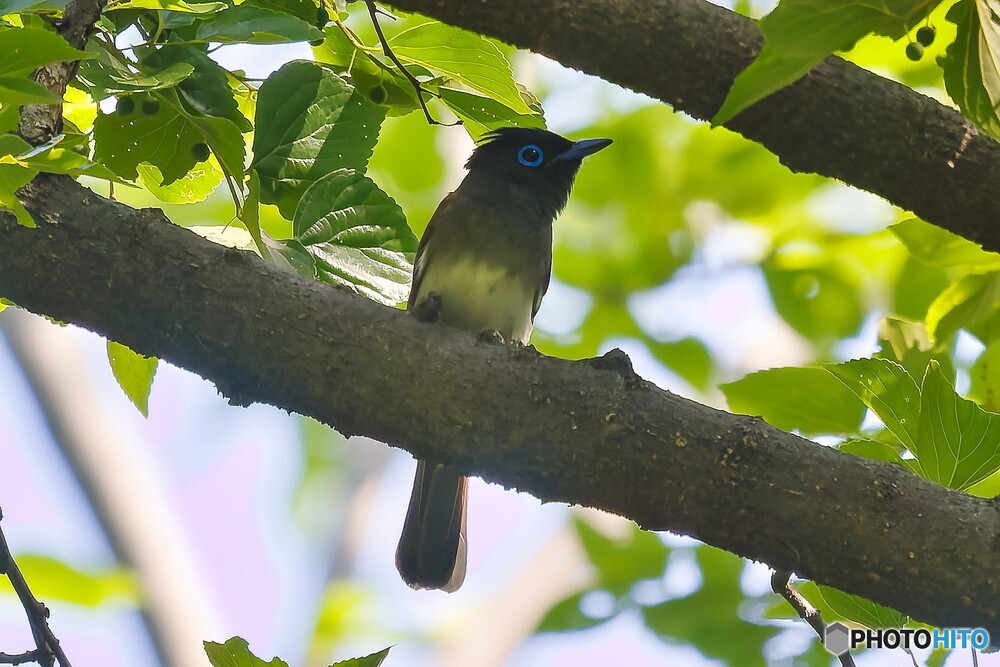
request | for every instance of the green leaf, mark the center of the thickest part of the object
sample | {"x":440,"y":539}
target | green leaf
{"x":869,"y":449}
{"x":373,"y":660}
{"x":15,"y":91}
{"x":381,"y":86}
{"x":908,"y":343}
{"x":939,"y":247}
{"x":621,"y":563}
{"x":18,"y":6}
{"x":964,"y":71}
{"x":134,"y":373}
{"x":310,"y":122}
{"x":103,"y":80}
{"x":483,"y":114}
{"x":23,"y":50}
{"x":165,"y":139}
{"x":688,"y":357}
{"x":206,"y":91}
{"x":194,"y":186}
{"x":357,"y":234}
{"x":254,"y":25}
{"x":236,"y":653}
{"x":172,"y":5}
{"x":815,"y":297}
{"x":567,"y":615}
{"x":14,"y":176}
{"x":303,"y":9}
{"x":886,"y":388}
{"x":465,"y":57}
{"x":799,"y":34}
{"x":51,"y":579}
{"x":958,"y":443}
{"x":249,"y":213}
{"x":985,"y":378}
{"x":809,"y":400}
{"x":711,"y":613}
{"x":972,"y":302}
{"x":860,"y":610}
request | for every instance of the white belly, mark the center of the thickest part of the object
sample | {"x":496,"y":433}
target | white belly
{"x":476,"y":296}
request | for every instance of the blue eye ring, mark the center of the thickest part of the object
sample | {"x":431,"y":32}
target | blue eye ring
{"x":530,"y":155}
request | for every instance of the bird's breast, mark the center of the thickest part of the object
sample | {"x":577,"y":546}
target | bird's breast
{"x":476,"y":294}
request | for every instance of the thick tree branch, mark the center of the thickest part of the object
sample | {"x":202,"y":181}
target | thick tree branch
{"x":839,"y":121}
{"x":589,"y":433}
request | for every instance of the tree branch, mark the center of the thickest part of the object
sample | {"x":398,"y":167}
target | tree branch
{"x":41,"y":122}
{"x":589,"y":433}
{"x":839,"y":120}
{"x":47,"y":648}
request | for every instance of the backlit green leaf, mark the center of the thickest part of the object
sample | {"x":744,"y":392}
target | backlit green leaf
{"x":972,"y":302}
{"x":567,"y":615}
{"x":166,"y":139}
{"x":236,"y":653}
{"x":358,"y":235}
{"x":958,"y":443}
{"x":373,"y":660}
{"x":482,"y":114}
{"x":23,"y":50}
{"x":134,"y":374}
{"x":52,"y":580}
{"x":799,"y":34}
{"x":310,"y":122}
{"x":466,"y":57}
{"x":862,"y":611}
{"x":888,"y":390}
{"x":809,"y":400}
{"x":965,"y":69}
{"x":256,"y":26}
{"x":939,"y":247}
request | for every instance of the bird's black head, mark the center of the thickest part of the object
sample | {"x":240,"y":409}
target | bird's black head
{"x":528,"y":167}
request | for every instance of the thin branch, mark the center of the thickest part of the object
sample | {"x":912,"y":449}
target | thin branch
{"x":373,"y":11}
{"x":781,"y":583}
{"x":47,"y":648}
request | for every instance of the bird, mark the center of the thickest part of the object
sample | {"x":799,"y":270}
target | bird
{"x":484,"y":261}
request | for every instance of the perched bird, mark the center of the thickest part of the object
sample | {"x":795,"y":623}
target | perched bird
{"x":485,"y":257}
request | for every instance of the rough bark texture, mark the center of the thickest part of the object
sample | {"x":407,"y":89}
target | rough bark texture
{"x":589,"y":433}
{"x":41,"y":122}
{"x":839,"y":121}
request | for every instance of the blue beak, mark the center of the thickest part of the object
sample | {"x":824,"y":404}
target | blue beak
{"x":582,"y":149}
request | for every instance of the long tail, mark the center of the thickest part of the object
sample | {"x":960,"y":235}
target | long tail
{"x":431,"y":552}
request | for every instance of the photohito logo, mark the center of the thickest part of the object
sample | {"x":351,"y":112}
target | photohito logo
{"x":840,"y":639}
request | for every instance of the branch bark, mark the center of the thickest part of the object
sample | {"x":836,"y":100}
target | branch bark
{"x":839,"y":120}
{"x":589,"y":433}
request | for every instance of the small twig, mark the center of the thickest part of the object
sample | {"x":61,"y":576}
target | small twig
{"x":373,"y":11}
{"x":781,"y":583}
{"x":47,"y":649}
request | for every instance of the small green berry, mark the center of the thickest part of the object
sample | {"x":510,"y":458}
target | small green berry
{"x":125,"y":106}
{"x":200,"y":152}
{"x":926,"y":35}
{"x":914,"y":51}
{"x":151,"y":106}
{"x":378,"y":94}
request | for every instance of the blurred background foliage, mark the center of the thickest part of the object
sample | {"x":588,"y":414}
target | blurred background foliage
{"x":698,"y":253}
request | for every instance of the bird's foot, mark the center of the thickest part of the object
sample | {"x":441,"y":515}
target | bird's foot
{"x":491,"y":336}
{"x":428,"y":309}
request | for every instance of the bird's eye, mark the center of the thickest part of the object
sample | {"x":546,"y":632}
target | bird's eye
{"x":530,"y":156}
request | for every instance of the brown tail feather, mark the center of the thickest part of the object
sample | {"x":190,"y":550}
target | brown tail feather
{"x":431,"y":552}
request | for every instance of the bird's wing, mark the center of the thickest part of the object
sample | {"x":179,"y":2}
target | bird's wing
{"x":543,"y":287}
{"x":419,"y":261}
